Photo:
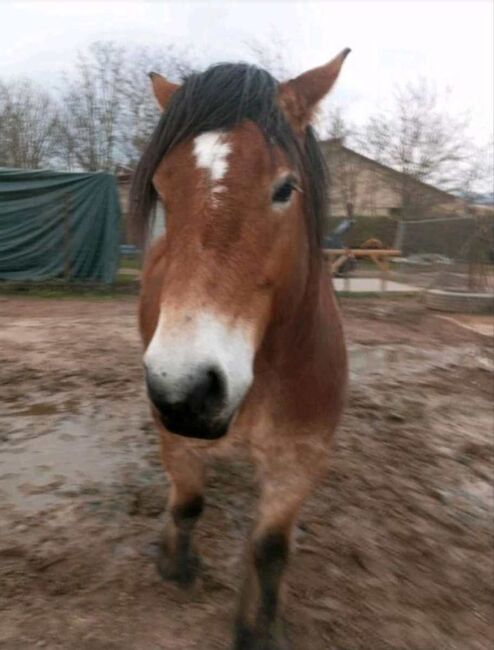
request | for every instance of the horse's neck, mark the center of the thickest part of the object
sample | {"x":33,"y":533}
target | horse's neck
{"x":301,"y":369}
{"x":302,"y":326}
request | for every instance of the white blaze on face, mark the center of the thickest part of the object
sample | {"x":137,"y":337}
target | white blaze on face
{"x":211,"y":151}
{"x":184,"y":345}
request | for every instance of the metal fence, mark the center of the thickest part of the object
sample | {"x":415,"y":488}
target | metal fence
{"x":454,"y":252}
{"x":447,"y":253}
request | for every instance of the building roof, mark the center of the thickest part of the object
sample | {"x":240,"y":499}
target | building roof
{"x":337,"y":143}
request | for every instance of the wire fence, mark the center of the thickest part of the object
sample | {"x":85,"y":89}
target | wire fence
{"x":448,"y":253}
{"x":453,"y":253}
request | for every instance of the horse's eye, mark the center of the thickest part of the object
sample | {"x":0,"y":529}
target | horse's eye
{"x":283,"y":193}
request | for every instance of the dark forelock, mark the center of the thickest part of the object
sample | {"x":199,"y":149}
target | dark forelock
{"x":220,"y":98}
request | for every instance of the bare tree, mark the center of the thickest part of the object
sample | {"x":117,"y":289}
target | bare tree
{"x":92,"y":109}
{"x":141,"y":110}
{"x":107,"y":107}
{"x":28,"y":120}
{"x":272,"y":56}
{"x":418,"y":137}
{"x":476,"y":177}
{"x":336,"y":125}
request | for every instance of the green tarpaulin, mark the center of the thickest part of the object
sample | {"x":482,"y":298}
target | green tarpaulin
{"x":58,"y":225}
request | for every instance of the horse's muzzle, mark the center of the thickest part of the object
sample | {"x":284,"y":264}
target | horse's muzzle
{"x":199,"y":411}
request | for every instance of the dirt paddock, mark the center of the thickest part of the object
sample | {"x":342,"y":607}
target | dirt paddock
{"x":393,"y":552}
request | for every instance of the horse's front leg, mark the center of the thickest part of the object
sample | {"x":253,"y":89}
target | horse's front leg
{"x":258,"y":624}
{"x":177,"y":560}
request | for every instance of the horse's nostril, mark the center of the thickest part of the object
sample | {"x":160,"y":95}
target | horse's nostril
{"x":201,"y":394}
{"x":216,"y":384}
{"x":193,"y":407}
{"x":207,"y":391}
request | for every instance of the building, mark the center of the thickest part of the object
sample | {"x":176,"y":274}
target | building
{"x":367,"y":188}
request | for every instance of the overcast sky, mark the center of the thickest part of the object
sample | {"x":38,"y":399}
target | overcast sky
{"x":450,"y":42}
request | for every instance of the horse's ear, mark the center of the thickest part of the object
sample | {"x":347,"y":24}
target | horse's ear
{"x":162,"y":88}
{"x":299,"y":97}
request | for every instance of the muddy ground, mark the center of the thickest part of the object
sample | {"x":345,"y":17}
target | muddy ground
{"x":393,"y":552}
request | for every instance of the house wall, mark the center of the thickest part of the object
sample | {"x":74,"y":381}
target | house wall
{"x":375,"y":190}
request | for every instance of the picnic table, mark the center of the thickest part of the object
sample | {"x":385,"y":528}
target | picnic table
{"x":380,"y":256}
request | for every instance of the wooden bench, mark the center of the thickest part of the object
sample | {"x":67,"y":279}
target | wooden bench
{"x":336,"y":257}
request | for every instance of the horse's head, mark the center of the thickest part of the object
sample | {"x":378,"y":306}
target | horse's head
{"x":238,"y":170}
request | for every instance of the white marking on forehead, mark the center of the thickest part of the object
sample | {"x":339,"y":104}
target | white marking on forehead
{"x":211,"y":151}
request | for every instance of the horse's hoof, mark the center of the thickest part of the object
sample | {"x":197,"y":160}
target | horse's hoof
{"x":183,"y":571}
{"x":247,"y":638}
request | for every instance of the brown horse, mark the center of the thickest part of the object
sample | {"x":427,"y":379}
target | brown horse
{"x":242,"y":334}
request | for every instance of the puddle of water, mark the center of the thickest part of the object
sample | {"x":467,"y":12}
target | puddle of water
{"x":29,"y":331}
{"x":71,"y":453}
{"x":56,"y":447}
{"x":472,"y":498}
{"x":39,"y":408}
{"x":481,"y":325}
{"x":366,"y":361}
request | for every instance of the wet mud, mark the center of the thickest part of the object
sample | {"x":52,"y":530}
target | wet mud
{"x":394,"y":550}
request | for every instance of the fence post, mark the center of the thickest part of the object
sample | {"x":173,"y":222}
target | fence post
{"x":66,"y":237}
{"x":399,"y":235}
{"x":384,"y":283}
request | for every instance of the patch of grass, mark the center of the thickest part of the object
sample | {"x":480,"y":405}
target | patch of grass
{"x":130,"y":263}
{"x":125,"y":285}
{"x":60,"y":294}
{"x":126,"y":278}
{"x":387,"y":295}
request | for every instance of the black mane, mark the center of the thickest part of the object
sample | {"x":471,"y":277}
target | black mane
{"x":219,"y":98}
